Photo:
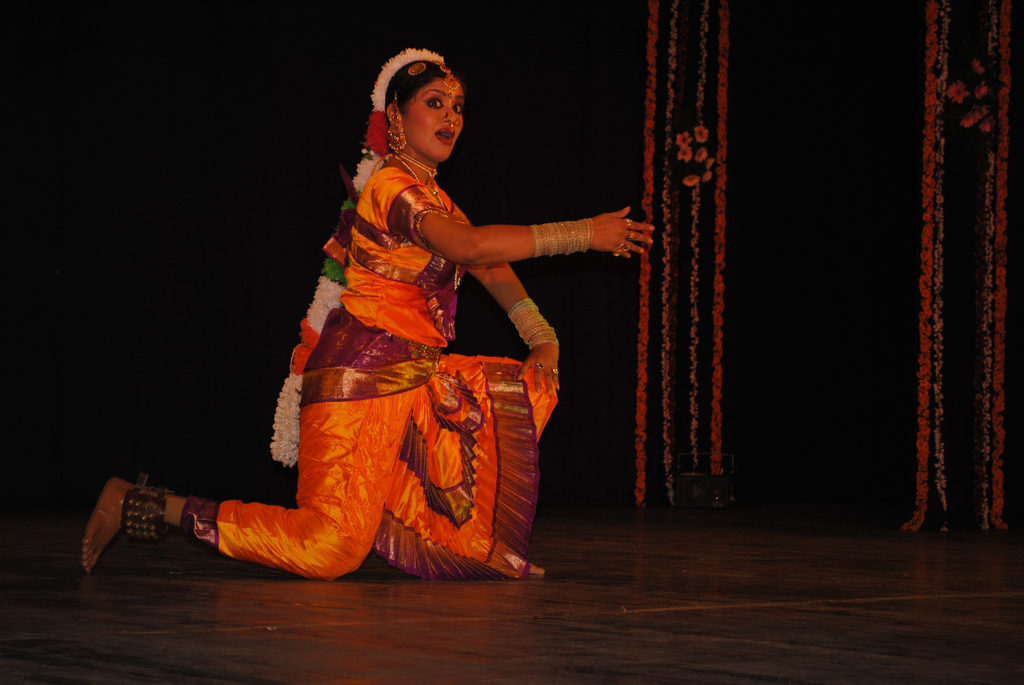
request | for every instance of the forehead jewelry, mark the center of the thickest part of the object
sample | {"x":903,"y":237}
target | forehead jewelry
{"x":450,"y":82}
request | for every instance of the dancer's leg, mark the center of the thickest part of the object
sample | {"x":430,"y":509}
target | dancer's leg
{"x":346,"y":457}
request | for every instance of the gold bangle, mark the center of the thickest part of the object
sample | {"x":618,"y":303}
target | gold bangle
{"x":562,"y":237}
{"x":532,"y":327}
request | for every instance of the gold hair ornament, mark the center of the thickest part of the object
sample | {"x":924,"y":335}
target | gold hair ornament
{"x":450,"y":82}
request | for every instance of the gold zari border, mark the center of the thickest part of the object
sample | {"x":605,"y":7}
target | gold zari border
{"x":341,"y":384}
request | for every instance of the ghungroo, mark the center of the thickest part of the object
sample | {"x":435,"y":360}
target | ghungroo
{"x":142,"y":513}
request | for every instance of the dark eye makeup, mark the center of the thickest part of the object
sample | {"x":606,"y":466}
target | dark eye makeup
{"x":435,"y":102}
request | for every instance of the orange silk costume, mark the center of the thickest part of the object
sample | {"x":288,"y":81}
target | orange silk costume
{"x":429,"y":458}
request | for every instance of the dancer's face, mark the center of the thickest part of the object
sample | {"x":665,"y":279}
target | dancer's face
{"x":433,"y":121}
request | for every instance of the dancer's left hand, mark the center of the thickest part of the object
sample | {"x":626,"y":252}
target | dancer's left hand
{"x":543,"y":360}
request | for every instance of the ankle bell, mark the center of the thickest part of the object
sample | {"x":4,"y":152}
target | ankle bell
{"x":142,"y":513}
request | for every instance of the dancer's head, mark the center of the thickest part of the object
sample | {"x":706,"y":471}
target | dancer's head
{"x":425,"y":103}
{"x":417,"y":110}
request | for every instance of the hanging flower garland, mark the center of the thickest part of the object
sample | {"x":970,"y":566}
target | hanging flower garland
{"x":699,"y":172}
{"x":650,"y":108}
{"x":984,"y":368}
{"x":982,"y":98}
{"x":694,"y":326}
{"x":694,"y":164}
{"x":1002,"y":159}
{"x":926,"y":289}
{"x":974,"y":109}
{"x":938,"y":444}
{"x":669,"y":242}
{"x":718,"y":308}
{"x":694,"y":332}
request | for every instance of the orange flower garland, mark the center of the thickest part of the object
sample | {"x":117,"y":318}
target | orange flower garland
{"x":644,"y":323}
{"x":925,"y":282}
{"x":718,"y":308}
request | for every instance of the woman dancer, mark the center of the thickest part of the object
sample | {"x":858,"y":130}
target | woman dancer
{"x":429,"y":458}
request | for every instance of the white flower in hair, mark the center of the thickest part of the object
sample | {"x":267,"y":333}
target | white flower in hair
{"x":391,"y":68}
{"x":364,"y":170}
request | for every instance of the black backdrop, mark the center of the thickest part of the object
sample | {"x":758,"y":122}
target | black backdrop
{"x":177,"y":174}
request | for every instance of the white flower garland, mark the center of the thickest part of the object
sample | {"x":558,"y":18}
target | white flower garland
{"x":365,"y":169}
{"x":284,"y":446}
{"x":324,"y":300}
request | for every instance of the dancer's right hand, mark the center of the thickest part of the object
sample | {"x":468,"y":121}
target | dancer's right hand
{"x":614,"y":232}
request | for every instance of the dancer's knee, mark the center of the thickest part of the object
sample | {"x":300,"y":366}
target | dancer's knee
{"x":310,"y":541}
{"x":331,"y":553}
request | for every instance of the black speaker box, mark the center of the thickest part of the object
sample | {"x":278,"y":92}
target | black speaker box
{"x":702,"y":490}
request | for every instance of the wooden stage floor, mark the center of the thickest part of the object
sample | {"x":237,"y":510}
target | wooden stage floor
{"x":746,"y":595}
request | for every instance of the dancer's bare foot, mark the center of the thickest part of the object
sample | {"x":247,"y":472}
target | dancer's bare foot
{"x":535,"y":571}
{"x":104,"y":522}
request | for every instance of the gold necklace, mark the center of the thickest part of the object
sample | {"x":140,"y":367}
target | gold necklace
{"x":407,"y":167}
{"x":431,"y":172}
{"x":430,"y":183}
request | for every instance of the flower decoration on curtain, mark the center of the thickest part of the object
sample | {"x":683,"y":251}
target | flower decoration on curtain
{"x":693,"y":160}
{"x":973,"y":99}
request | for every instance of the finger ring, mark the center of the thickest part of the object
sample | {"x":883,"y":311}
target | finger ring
{"x":539,"y":365}
{"x":554,"y":371}
{"x":629,"y":223}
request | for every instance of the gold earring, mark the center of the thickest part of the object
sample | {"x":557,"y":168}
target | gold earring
{"x":396,"y":135}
